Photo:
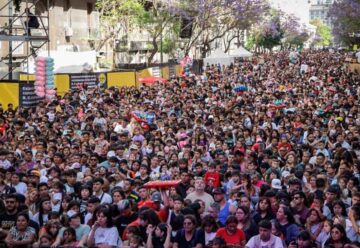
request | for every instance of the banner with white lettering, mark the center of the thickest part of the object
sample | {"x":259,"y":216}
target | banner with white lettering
{"x":27,"y":95}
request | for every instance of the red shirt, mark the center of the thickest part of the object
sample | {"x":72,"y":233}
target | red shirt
{"x":235,"y":239}
{"x":214,"y":176}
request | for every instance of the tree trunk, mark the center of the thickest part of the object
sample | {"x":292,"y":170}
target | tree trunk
{"x":153,"y":52}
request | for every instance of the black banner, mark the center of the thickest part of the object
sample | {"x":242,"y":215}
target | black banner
{"x":91,"y":80}
{"x":27,"y":95}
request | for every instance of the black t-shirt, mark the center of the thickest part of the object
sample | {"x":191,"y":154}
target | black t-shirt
{"x":7,"y":221}
{"x":156,"y":242}
{"x":144,"y":180}
{"x":197,"y":238}
{"x":122,"y":221}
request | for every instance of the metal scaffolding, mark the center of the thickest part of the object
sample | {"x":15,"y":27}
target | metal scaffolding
{"x":19,"y":34}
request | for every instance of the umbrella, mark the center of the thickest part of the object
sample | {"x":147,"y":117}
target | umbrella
{"x":151,"y":80}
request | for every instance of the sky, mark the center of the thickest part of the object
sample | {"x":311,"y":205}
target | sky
{"x":299,"y":8}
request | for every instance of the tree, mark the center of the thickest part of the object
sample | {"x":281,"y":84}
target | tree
{"x":277,"y":29}
{"x":295,"y":33}
{"x":154,"y":17}
{"x":323,"y":33}
{"x":115,"y":15}
{"x":268,"y":33}
{"x":345,"y":18}
{"x":215,"y":19}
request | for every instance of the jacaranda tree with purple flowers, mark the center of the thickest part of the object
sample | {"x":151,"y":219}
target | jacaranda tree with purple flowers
{"x":213,"y":19}
{"x":345,"y":18}
{"x":278,"y":29}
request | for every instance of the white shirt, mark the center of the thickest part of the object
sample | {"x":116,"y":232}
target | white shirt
{"x":5,"y":164}
{"x":104,"y":198}
{"x":252,"y":243}
{"x":20,"y":188}
{"x":108,"y":236}
{"x":36,"y":218}
{"x":209,"y":237}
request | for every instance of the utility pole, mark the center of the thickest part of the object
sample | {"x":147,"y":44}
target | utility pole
{"x":10,"y":41}
{"x":161,"y":45}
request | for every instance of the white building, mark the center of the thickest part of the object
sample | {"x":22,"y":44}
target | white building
{"x":319,"y":10}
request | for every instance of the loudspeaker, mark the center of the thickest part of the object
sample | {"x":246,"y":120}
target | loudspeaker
{"x":186,"y":27}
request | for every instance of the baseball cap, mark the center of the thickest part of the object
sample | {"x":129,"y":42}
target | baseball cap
{"x":133,"y":147}
{"x":123,"y":204}
{"x":218,"y":191}
{"x":110,"y":154}
{"x":76,"y":165}
{"x":285,"y":174}
{"x":276,"y":184}
{"x":71,"y":214}
{"x":34,"y":173}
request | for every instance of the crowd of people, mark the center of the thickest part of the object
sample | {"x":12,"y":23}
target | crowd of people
{"x":266,"y":153}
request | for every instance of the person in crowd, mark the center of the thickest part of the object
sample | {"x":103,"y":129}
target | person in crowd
{"x":103,"y":233}
{"x":231,"y":233}
{"x":265,"y":238}
{"x":81,"y":231}
{"x":200,"y":193}
{"x":189,"y":236}
{"x":159,"y":236}
{"x":337,"y":237}
{"x":21,"y":235}
{"x":246,"y":222}
{"x":263,"y":210}
{"x":209,"y":227}
{"x":259,"y":140}
{"x":287,"y":224}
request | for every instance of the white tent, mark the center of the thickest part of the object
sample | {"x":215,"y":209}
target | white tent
{"x":241,"y":52}
{"x":218,"y":57}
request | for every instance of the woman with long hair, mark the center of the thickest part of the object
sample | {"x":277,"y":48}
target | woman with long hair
{"x":32,"y":200}
{"x":263,"y":210}
{"x":51,"y":229}
{"x":337,"y":237}
{"x":314,"y":223}
{"x":245,"y":222}
{"x":159,"y":236}
{"x":325,"y":233}
{"x":287,"y":224}
{"x":41,"y":217}
{"x":103,"y":233}
{"x":249,"y":188}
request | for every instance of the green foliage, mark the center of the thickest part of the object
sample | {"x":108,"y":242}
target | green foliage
{"x":323,"y":33}
{"x":250,"y":42}
{"x":168,"y":45}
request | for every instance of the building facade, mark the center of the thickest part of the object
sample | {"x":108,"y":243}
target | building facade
{"x":319,"y":10}
{"x":72,"y":24}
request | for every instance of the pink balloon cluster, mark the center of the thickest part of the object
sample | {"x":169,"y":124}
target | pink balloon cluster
{"x":44,"y":72}
{"x":40,"y":76}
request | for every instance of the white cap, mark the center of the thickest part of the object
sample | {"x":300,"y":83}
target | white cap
{"x":110,"y":154}
{"x":43,"y":179}
{"x":276,"y":183}
{"x":285,"y":174}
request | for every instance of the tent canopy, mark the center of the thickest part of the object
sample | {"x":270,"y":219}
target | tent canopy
{"x":218,"y":57}
{"x":241,"y":52}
